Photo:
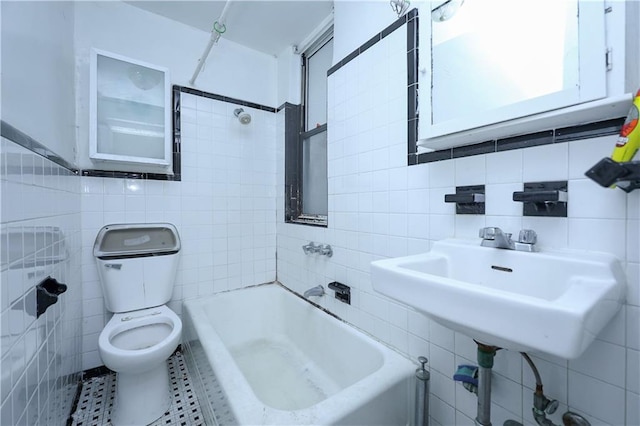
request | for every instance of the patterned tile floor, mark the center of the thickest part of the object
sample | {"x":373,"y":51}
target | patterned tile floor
{"x":97,"y":395}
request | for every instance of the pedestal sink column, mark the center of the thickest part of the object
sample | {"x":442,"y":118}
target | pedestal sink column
{"x":485,"y":363}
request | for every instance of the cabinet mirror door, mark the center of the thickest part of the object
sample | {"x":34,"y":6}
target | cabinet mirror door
{"x":495,"y":60}
{"x":129,"y":111}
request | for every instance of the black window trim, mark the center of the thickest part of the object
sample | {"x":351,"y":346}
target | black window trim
{"x":293,"y":184}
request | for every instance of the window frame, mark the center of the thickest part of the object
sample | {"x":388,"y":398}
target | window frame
{"x":294,"y":194}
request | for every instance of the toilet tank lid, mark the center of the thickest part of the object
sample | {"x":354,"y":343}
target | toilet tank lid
{"x":136,"y":239}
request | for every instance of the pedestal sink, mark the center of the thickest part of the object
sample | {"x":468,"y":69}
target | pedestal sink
{"x":550,"y":301}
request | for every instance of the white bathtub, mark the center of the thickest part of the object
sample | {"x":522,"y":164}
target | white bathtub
{"x":263,"y":356}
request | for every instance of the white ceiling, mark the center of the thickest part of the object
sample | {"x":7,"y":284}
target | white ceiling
{"x":264,"y":25}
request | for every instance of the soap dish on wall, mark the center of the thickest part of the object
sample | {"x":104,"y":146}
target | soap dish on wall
{"x":468,"y":199}
{"x":543,"y":199}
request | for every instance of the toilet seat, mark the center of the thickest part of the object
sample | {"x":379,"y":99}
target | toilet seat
{"x":138,"y":341}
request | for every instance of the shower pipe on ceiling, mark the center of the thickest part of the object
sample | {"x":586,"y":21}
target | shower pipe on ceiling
{"x":218,"y":29}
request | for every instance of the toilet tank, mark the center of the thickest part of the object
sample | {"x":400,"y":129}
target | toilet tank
{"x":137,"y":264}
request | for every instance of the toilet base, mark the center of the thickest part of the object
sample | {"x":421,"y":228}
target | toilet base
{"x":141,"y":398}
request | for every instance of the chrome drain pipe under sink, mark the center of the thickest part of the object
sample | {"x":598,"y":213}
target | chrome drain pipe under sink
{"x":486,"y":355}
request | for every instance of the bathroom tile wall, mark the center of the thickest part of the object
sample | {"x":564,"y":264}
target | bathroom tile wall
{"x":39,"y":237}
{"x":224,"y":209}
{"x":232,"y":70}
{"x":379,"y":207}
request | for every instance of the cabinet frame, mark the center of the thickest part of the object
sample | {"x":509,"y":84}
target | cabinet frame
{"x":94,"y":154}
{"x":592,"y":86}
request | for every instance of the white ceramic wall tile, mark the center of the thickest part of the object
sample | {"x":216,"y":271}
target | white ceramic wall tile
{"x":466,"y":402}
{"x":633,"y":409}
{"x":599,"y":399}
{"x":465,"y":348}
{"x":589,"y":200}
{"x":606,"y":235}
{"x":442,"y":386}
{"x":584,"y":154}
{"x":590,"y":363}
{"x":508,"y":364}
{"x":633,"y":371}
{"x":552,"y":232}
{"x":499,"y":199}
{"x":441,"y":226}
{"x":467,"y":226}
{"x":418,"y":176}
{"x":633,"y":284}
{"x":418,"y":227}
{"x":545,"y":163}
{"x":441,"y":336}
{"x":633,"y":327}
{"x":418,"y":324}
{"x":470,"y":170}
{"x":40,"y":355}
{"x":442,"y":360}
{"x":418,"y":201}
{"x":504,"y":167}
{"x":436,"y":201}
{"x":442,"y":174}
{"x":506,"y":394}
{"x":441,"y":412}
{"x":614,"y":332}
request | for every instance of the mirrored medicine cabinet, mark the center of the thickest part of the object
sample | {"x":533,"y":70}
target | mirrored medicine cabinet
{"x":130,"y":115}
{"x":484,"y":62}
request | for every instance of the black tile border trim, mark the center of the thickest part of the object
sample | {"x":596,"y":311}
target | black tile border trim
{"x":20,"y":138}
{"x":248,"y":104}
{"x":476,"y":149}
{"x":547,"y":137}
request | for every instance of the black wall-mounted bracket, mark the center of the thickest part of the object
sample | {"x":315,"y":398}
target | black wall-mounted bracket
{"x":47,"y":293}
{"x":543,"y":198}
{"x":343,"y":292}
{"x":608,"y":173}
{"x":468,"y":199}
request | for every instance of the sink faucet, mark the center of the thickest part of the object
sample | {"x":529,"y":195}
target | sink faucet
{"x":314,"y":291}
{"x":494,"y":237}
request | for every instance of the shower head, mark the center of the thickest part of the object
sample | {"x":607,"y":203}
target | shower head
{"x":243,"y":117}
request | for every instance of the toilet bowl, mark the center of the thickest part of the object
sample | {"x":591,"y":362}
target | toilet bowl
{"x":136,"y":345}
{"x":137,"y":341}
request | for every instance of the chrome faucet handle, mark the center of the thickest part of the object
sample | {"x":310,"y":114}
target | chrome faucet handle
{"x":527,"y":236}
{"x":310,"y":248}
{"x":488,"y":233}
{"x":326,"y":250}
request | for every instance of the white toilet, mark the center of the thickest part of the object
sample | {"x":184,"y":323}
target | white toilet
{"x":137,"y":265}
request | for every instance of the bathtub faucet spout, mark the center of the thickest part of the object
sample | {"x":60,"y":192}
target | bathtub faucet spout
{"x":314,"y":291}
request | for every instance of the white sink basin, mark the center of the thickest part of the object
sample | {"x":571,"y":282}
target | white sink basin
{"x":552,"y":301}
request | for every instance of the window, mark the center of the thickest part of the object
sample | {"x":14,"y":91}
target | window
{"x":306,"y":139}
